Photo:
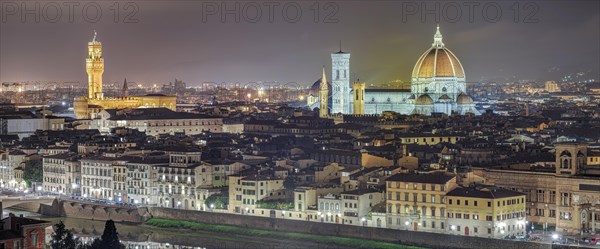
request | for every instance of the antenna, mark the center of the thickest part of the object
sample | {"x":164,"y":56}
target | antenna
{"x":340,"y":46}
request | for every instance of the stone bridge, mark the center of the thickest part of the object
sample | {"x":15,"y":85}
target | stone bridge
{"x":29,"y":203}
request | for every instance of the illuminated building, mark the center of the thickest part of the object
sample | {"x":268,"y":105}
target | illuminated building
{"x":90,"y":106}
{"x":567,"y":198}
{"x":488,"y":212}
{"x":438,"y":85}
{"x":551,"y":86}
{"x":418,"y":201}
{"x":359,"y":98}
{"x":323,"y":97}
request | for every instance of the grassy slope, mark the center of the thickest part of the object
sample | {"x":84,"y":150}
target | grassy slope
{"x":342,"y":241}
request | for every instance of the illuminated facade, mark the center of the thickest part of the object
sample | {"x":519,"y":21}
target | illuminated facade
{"x":323,"y":97}
{"x":90,"y":106}
{"x":438,"y":85}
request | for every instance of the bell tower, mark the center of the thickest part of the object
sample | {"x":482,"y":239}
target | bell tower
{"x":359,"y":97}
{"x":323,"y":96}
{"x":340,"y":82}
{"x":94,"y":65}
{"x":570,"y":158}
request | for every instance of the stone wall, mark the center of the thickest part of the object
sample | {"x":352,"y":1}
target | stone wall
{"x":430,"y":240}
{"x":93,"y":211}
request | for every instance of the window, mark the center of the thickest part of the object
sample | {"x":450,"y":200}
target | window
{"x":539,"y":212}
{"x":33,"y":237}
{"x":489,"y":204}
{"x":565,"y":199}
{"x":540,"y":195}
{"x":450,"y":201}
{"x":552,"y":196}
{"x":475,"y":203}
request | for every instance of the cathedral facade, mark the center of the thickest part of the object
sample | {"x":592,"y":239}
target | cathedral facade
{"x":90,"y":106}
{"x":437,"y":86}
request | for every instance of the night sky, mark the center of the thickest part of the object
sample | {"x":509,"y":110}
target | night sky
{"x":171,"y":40}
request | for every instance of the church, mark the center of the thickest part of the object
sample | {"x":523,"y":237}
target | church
{"x":89,"y":107}
{"x":437,"y":86}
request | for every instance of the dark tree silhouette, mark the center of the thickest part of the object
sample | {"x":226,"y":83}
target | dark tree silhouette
{"x":109,"y":239}
{"x":63,"y":238}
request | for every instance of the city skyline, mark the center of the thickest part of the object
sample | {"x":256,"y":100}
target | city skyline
{"x":173,"y":44}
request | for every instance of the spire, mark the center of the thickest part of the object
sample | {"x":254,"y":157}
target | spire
{"x":125,"y":90}
{"x":323,"y":80}
{"x":95,"y":35}
{"x":437,"y":38}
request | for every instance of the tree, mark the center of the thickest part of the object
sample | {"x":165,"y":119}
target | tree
{"x":109,"y":239}
{"x":63,"y":238}
{"x":219,"y":201}
{"x":33,"y":171}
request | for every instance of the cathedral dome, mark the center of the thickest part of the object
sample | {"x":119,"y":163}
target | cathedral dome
{"x":438,"y":61}
{"x":445,"y":97}
{"x":464,"y":99}
{"x":316,"y":88}
{"x":424,"y":100}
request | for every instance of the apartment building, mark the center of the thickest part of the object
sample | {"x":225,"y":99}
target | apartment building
{"x":97,"y":177}
{"x":61,"y":174}
{"x":486,"y":211}
{"x":9,"y":161}
{"x":418,"y":201}
{"x":156,"y":121}
{"x":566,"y":197}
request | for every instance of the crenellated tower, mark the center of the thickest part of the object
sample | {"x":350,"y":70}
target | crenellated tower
{"x":95,"y":68}
{"x":359,"y":98}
